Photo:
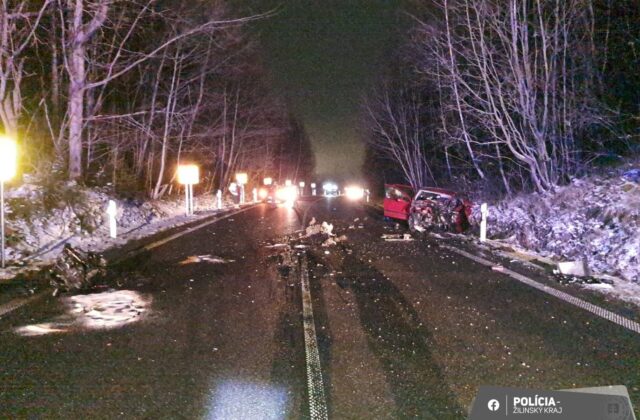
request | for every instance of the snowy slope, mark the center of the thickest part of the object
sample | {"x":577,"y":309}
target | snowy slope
{"x":597,"y":219}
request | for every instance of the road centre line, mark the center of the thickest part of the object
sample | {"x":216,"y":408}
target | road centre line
{"x":580,"y":303}
{"x":315,"y":384}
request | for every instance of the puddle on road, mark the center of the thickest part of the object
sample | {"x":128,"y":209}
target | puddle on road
{"x":194,"y":259}
{"x":111,"y":309}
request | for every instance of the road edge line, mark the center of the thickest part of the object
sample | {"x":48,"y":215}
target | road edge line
{"x":12,"y":305}
{"x":177,"y":235}
{"x":600,"y":312}
{"x":315,"y":384}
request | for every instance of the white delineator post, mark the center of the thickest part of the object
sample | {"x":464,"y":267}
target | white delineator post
{"x":255,"y":195}
{"x":219,"y":199}
{"x":484,"y":211}
{"x":112,"y":212}
{"x":367,"y":193}
{"x":242,"y":179}
{"x":186,"y":199}
{"x":313,"y":188}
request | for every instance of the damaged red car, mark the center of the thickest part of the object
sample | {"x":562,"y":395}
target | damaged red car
{"x":428,"y":208}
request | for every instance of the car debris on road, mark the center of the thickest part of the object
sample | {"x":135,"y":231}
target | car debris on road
{"x":205,"y":258}
{"x":400,"y":237}
{"x":76,"y":269}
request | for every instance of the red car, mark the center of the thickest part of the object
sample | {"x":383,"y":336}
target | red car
{"x":397,"y":201}
{"x":428,"y":208}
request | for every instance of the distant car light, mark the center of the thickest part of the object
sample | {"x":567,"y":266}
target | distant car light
{"x":354,"y":192}
{"x":263,"y":193}
{"x":287,"y":194}
{"x":329,"y":187}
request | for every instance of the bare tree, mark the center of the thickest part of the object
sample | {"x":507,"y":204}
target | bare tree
{"x":395,"y":116}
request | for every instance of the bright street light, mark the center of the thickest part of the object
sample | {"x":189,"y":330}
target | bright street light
{"x":8,"y":166}
{"x":287,"y":183}
{"x":242,"y":178}
{"x":268,"y":181}
{"x":188,"y":175}
{"x":301,"y":184}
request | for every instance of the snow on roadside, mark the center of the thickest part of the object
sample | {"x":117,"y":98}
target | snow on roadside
{"x":596,"y":219}
{"x":36,"y":234}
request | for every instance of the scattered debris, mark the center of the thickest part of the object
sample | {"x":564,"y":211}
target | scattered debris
{"x":277,"y":246}
{"x":327,"y":228}
{"x":315,"y":229}
{"x":75,"y":269}
{"x":205,"y":258}
{"x":329,"y":242}
{"x":573,"y":268}
{"x":397,"y":237}
{"x":498,"y":268}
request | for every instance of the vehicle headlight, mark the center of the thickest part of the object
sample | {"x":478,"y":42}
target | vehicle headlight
{"x":354,"y":192}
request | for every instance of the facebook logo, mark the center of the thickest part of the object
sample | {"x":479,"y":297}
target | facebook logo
{"x":493,"y":405}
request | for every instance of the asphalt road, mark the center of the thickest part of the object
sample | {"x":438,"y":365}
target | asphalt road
{"x":404,"y":329}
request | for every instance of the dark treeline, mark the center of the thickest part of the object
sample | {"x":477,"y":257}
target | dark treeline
{"x":507,"y":96}
{"x":122,"y":91}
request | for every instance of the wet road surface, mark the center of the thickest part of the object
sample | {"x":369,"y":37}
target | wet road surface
{"x":404,"y":329}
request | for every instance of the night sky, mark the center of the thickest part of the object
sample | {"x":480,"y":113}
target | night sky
{"x":324,"y":55}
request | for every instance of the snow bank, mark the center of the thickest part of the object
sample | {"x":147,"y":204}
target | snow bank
{"x":597,"y":219}
{"x":40,"y":220}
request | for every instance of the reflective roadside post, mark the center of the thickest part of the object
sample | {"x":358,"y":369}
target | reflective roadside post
{"x":219,"y":199}
{"x":8,"y":163}
{"x":267,"y":181}
{"x":484,"y":211}
{"x":255,"y":195}
{"x":368,"y":194}
{"x":287,"y":183}
{"x":241,"y":179}
{"x":188,"y":175}
{"x":301,"y":184}
{"x":112,"y":211}
{"x":313,"y":188}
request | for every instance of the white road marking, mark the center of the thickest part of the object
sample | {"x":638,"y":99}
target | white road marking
{"x":315,"y":384}
{"x":18,"y":303}
{"x":192,"y":229}
{"x":565,"y":297}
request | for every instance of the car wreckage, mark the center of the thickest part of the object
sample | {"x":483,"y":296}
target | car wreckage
{"x":428,"y":209}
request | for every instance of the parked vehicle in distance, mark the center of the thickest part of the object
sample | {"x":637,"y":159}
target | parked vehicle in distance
{"x":429,"y":208}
